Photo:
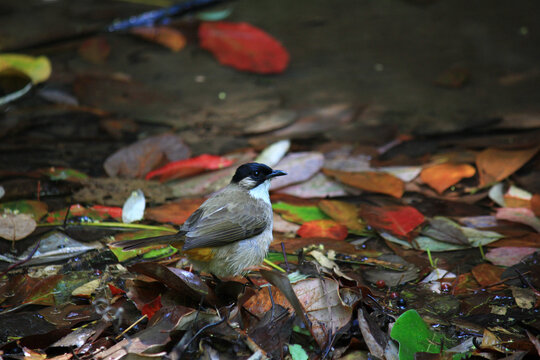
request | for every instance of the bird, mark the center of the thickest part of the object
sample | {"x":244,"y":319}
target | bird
{"x":231,"y":231}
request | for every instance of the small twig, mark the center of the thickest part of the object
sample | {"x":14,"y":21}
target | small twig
{"x":19,"y":263}
{"x":131,"y":327}
{"x":285,"y":257}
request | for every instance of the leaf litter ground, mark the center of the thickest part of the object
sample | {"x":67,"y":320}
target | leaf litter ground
{"x":398,"y":246}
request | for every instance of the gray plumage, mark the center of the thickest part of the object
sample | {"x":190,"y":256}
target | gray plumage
{"x":235,"y":223}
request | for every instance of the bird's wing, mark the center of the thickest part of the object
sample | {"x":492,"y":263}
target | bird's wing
{"x":224,"y":225}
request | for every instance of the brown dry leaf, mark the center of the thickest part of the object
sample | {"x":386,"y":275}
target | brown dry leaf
{"x":324,"y":307}
{"x":16,"y":227}
{"x":137,"y":159}
{"x":487,"y":274}
{"x":163,"y":35}
{"x":175,"y":213}
{"x":496,"y":165}
{"x":535,"y":204}
{"x":370,"y":181}
{"x":441,"y":177}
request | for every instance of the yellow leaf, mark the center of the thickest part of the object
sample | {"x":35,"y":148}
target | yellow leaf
{"x":37,"y":68}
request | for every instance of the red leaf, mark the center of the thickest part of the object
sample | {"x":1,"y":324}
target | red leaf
{"x":323,"y":228}
{"x":243,"y":47}
{"x":152,"y":307}
{"x":399,"y":220}
{"x":188,"y":167}
{"x":115,"y":290}
{"x":113,"y":211}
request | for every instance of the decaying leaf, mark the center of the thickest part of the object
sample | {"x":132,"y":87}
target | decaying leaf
{"x":139,"y":158}
{"x":16,"y":227}
{"x":323,"y":305}
{"x":496,"y":164}
{"x":378,"y":182}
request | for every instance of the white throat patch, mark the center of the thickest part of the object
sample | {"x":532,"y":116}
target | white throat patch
{"x":261,"y":192}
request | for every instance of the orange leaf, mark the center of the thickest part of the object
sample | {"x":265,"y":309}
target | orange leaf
{"x":163,"y":35}
{"x":495,"y":164}
{"x":399,"y":220}
{"x":441,"y":177}
{"x":175,"y":213}
{"x":378,"y":182}
{"x":323,"y":228}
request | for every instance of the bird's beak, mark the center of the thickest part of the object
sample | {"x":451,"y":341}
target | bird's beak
{"x":275,"y":173}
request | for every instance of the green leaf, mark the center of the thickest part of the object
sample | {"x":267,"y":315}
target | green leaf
{"x":36,"y":68}
{"x":149,"y":252}
{"x":297,"y":352}
{"x":34,"y":208}
{"x":415,"y":336}
{"x":299,"y":213}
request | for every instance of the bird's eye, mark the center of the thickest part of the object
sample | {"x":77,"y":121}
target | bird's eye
{"x":256,"y":173}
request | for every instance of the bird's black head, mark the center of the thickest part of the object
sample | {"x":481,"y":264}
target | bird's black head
{"x":251,"y":175}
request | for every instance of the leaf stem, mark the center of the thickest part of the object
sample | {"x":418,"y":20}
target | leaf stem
{"x":116,"y":225}
{"x":277,"y":267}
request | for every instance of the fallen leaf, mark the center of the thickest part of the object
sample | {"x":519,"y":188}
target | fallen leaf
{"x":399,"y":220}
{"x":535,"y":204}
{"x":175,"y":213}
{"x":188,"y":167}
{"x":323,"y":228}
{"x":517,"y":198}
{"x":152,"y":307}
{"x":244,"y":47}
{"x":34,"y":208}
{"x":415,"y":336}
{"x":377,"y":182}
{"x":487,"y":274}
{"x":324,"y":308}
{"x":133,"y":209}
{"x":36,"y":68}
{"x":344,"y":213}
{"x":519,"y":215}
{"x":441,"y":177}
{"x":95,"y":50}
{"x":163,"y":35}
{"x":496,"y":164}
{"x":508,"y":256}
{"x":113,"y":211}
{"x":16,"y":227}
{"x":405,"y":173}
{"x":137,"y":159}
{"x":298,"y":213}
{"x":273,"y":154}
{"x":274,"y":120}
{"x":284,"y":226}
{"x":319,"y":186}
{"x":299,"y":167}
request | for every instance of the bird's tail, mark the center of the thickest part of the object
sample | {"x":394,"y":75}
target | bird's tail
{"x":156,"y":240}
